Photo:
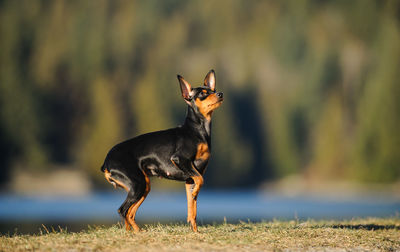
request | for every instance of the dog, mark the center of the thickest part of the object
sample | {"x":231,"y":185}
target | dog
{"x":180,"y":153}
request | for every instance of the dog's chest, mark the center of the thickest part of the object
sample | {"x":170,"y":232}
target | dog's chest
{"x":203,"y":152}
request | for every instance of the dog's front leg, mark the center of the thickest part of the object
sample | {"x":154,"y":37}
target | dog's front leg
{"x":191,"y":206}
{"x":192,"y":185}
{"x":187,"y":166}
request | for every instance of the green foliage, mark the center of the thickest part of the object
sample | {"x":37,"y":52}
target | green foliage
{"x":311,"y":87}
{"x":102,"y":128}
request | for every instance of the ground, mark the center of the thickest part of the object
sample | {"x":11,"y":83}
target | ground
{"x":355,"y":235}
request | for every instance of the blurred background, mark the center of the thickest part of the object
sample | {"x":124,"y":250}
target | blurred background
{"x":311,"y":104}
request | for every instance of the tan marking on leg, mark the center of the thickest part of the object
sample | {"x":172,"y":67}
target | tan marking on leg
{"x":130,"y":217}
{"x":198,"y":183}
{"x":127,"y":225}
{"x":195,"y":214}
{"x":191,"y":218}
{"x":114,"y":182}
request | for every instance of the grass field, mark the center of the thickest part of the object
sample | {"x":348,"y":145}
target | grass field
{"x":359,"y":235}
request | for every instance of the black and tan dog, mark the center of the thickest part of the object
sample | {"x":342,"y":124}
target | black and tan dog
{"x":180,"y":153}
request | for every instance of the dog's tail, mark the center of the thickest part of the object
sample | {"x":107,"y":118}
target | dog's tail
{"x":106,"y":165}
{"x":103,"y":167}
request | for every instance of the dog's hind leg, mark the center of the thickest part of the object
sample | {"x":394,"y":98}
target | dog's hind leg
{"x":123,"y":209}
{"x":137,"y":186}
{"x":136,"y":196}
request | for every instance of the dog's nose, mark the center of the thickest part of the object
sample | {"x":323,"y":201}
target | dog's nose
{"x":220,"y":95}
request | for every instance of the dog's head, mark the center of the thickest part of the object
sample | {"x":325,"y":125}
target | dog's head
{"x":204,"y":99}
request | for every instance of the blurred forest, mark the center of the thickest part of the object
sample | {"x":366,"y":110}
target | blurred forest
{"x":311,"y":87}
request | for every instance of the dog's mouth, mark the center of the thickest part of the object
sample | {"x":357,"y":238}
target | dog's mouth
{"x":220,"y":100}
{"x":216,"y":104}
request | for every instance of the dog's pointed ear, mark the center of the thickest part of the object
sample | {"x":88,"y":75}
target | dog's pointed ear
{"x":210,"y":80}
{"x":186,"y":89}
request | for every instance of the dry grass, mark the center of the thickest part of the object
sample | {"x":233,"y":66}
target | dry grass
{"x":361,"y":234}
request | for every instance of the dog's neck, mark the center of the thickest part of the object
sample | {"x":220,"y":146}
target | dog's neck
{"x":198,"y":123}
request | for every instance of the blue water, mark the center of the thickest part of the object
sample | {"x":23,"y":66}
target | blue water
{"x":212,"y":206}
